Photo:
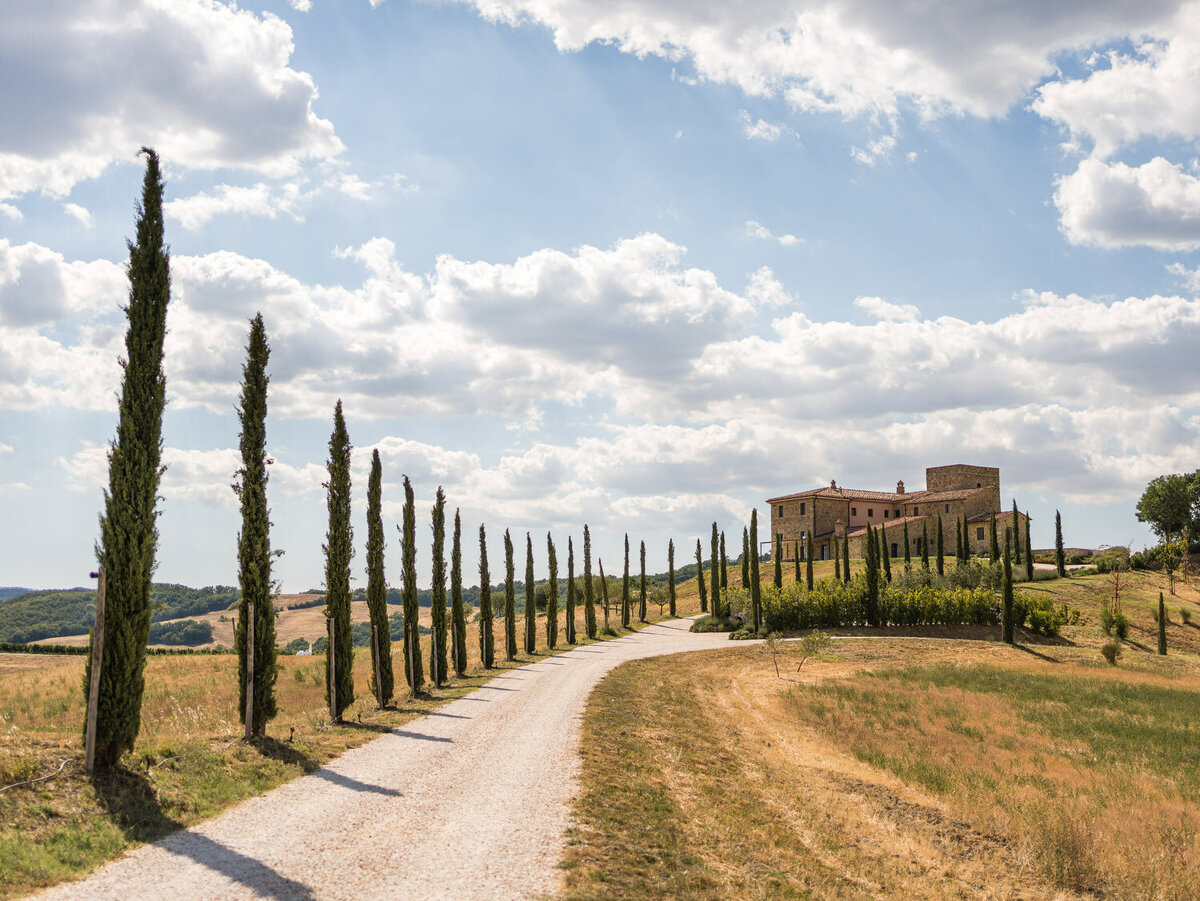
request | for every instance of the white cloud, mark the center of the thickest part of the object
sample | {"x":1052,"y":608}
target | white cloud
{"x":1189,"y":278}
{"x":5,"y":448}
{"x":301,"y":6}
{"x":64,"y":124}
{"x":878,"y":149}
{"x":761,"y":129}
{"x":11,"y":212}
{"x":758,"y":230}
{"x":1156,"y":204}
{"x":887,"y":312}
{"x":81,"y":214}
{"x":198,"y":209}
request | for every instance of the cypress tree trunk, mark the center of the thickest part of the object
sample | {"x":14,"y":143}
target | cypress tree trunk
{"x":254,"y":540}
{"x":487,"y":638}
{"x":530,"y":599}
{"x":907,"y":552}
{"x":1060,"y":557}
{"x":941,"y":550}
{"x":128,"y":532}
{"x":510,"y":601}
{"x":994,"y":549}
{"x":1016,"y":534}
{"x":412,"y":609}
{"x":700,"y":578}
{"x":778,"y":560}
{"x":846,"y":557}
{"x":1028,"y":553}
{"x":886,"y":553}
{"x":458,"y":615}
{"x":552,"y":592}
{"x":755,"y":582}
{"x":715,"y":574}
{"x":745,"y":557}
{"x":625,"y":611}
{"x":671,"y":574}
{"x":925,"y":546}
{"x":1007,"y":613}
{"x":808,"y":563}
{"x":338,"y":552}
{"x":604,"y":589}
{"x":642,"y":586}
{"x":1162,"y":626}
{"x":589,"y":589}
{"x":570,"y":591}
{"x":377,"y":583}
{"x":437,"y":610}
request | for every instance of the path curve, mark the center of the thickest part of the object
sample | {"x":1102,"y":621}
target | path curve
{"x":470,"y":801}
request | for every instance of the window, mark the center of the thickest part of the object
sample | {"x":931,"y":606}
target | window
{"x":895,"y":547}
{"x":802,"y":509}
{"x":947,"y":508}
{"x":916,"y":511}
{"x":979,"y":484}
{"x":870,"y":511}
{"x":885,"y":514}
{"x":979,"y":533}
{"x":895,"y":514}
{"x":779,"y":510}
{"x":803,"y":535}
{"x":854,"y":511}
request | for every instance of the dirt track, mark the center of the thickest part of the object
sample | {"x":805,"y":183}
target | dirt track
{"x":469,"y":802}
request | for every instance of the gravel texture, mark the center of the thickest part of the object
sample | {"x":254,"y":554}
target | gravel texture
{"x":471,"y":801}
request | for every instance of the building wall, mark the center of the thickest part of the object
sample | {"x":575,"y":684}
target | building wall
{"x":960,"y":475}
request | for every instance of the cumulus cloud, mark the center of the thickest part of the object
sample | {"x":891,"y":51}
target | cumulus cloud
{"x":758,"y":230}
{"x":761,"y":129}
{"x":222,"y":95}
{"x":1156,"y":204}
{"x":875,"y":151}
{"x":198,"y":209}
{"x":82,"y":215}
{"x":887,"y":312}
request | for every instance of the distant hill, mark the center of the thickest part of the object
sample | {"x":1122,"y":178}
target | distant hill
{"x":7,"y":592}
{"x":45,"y":614}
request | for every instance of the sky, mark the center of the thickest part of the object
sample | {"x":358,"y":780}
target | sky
{"x":640,"y":264}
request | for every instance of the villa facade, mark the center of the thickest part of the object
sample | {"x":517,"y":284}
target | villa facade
{"x":952,"y":492}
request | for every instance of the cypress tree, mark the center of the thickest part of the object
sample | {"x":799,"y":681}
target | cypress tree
{"x":700,"y":578}
{"x":745,"y":557}
{"x":808,"y":564}
{"x":604,"y":590}
{"x":487,"y":638}
{"x":778,"y":560}
{"x":925,"y":545}
{"x":254,"y":542}
{"x":377,"y":583}
{"x":1016,"y":534}
{"x":907,"y":551}
{"x":886,"y":553}
{"x":338,"y":552}
{"x":570,"y":591}
{"x":1007,"y":619}
{"x":755,"y":581}
{"x":966,"y":530}
{"x":642,"y":586}
{"x":671,"y":574}
{"x":958,"y":540}
{"x":412,"y":607}
{"x":458,"y":615}
{"x":1060,"y":557}
{"x":510,"y":601}
{"x":1162,"y":626}
{"x":837,"y":561}
{"x":530,"y":599}
{"x":589,"y":589}
{"x":625,"y":611}
{"x":1028,"y":553}
{"x":871,"y":553}
{"x":796,"y":560}
{"x":846,"y":557}
{"x":715,"y":575}
{"x":724,"y":565}
{"x":128,"y":532}
{"x":552,"y":594}
{"x":994,"y":549}
{"x":437,"y":610}
{"x":941,"y":550}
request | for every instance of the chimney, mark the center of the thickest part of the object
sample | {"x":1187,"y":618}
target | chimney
{"x":833,"y":483}
{"x":900,"y":487}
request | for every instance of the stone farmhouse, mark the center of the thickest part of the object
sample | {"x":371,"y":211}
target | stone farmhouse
{"x":831,"y":513}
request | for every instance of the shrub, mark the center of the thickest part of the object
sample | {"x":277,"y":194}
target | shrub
{"x":1111,"y":651}
{"x":1185,"y":615}
{"x":1106,"y":618}
{"x":1121,"y":625}
{"x":906,"y":602}
{"x":1046,"y":619}
{"x":742,"y":634}
{"x":715,"y":624}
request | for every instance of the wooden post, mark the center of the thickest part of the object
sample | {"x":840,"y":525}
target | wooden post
{"x":331,"y":660}
{"x":433,"y":658}
{"x":378,"y":681}
{"x":409,"y":644}
{"x":89,"y":744}
{"x":250,"y":635}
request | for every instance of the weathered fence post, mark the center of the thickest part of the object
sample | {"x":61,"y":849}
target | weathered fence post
{"x":378,"y":680}
{"x":89,"y":744}
{"x":331,"y":658}
{"x":250,"y":636}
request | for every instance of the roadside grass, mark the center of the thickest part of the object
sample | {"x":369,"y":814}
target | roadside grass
{"x":1094,"y":776}
{"x":190,"y":762}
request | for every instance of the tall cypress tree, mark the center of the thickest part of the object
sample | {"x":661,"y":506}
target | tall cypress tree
{"x":552,"y":593}
{"x":377,"y":583}
{"x":1007,"y":613}
{"x":925,"y":545}
{"x":604,"y":590}
{"x":128,"y":534}
{"x":778,"y":560}
{"x":437,"y":610}
{"x":1016,"y":534}
{"x":715,"y":574}
{"x":700,"y":578}
{"x":625,"y":611}
{"x":671,"y":574}
{"x":941,"y":549}
{"x":907,"y":551}
{"x":254,"y":541}
{"x":530,"y":599}
{"x":871,"y":553}
{"x":745,"y":557}
{"x":846,"y":557}
{"x":724,"y":565}
{"x":994,"y":548}
{"x":339,"y":550}
{"x":412,"y":606}
{"x":1162,"y":626}
{"x":796,"y":559}
{"x":571,"y":596}
{"x":589,"y":590}
{"x":458,"y":615}
{"x":755,"y":582}
{"x":808,"y":563}
{"x":487,"y":638}
{"x":510,"y":601}
{"x":958,"y":540}
{"x":1028,"y":553}
{"x":1060,"y":557}
{"x":886,"y":554}
{"x":642,"y":586}
{"x":837,"y":560}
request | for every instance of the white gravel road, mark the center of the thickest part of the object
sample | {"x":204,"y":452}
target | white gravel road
{"x":471,"y":801}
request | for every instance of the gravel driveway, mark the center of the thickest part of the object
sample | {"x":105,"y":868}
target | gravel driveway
{"x":471,"y":801}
